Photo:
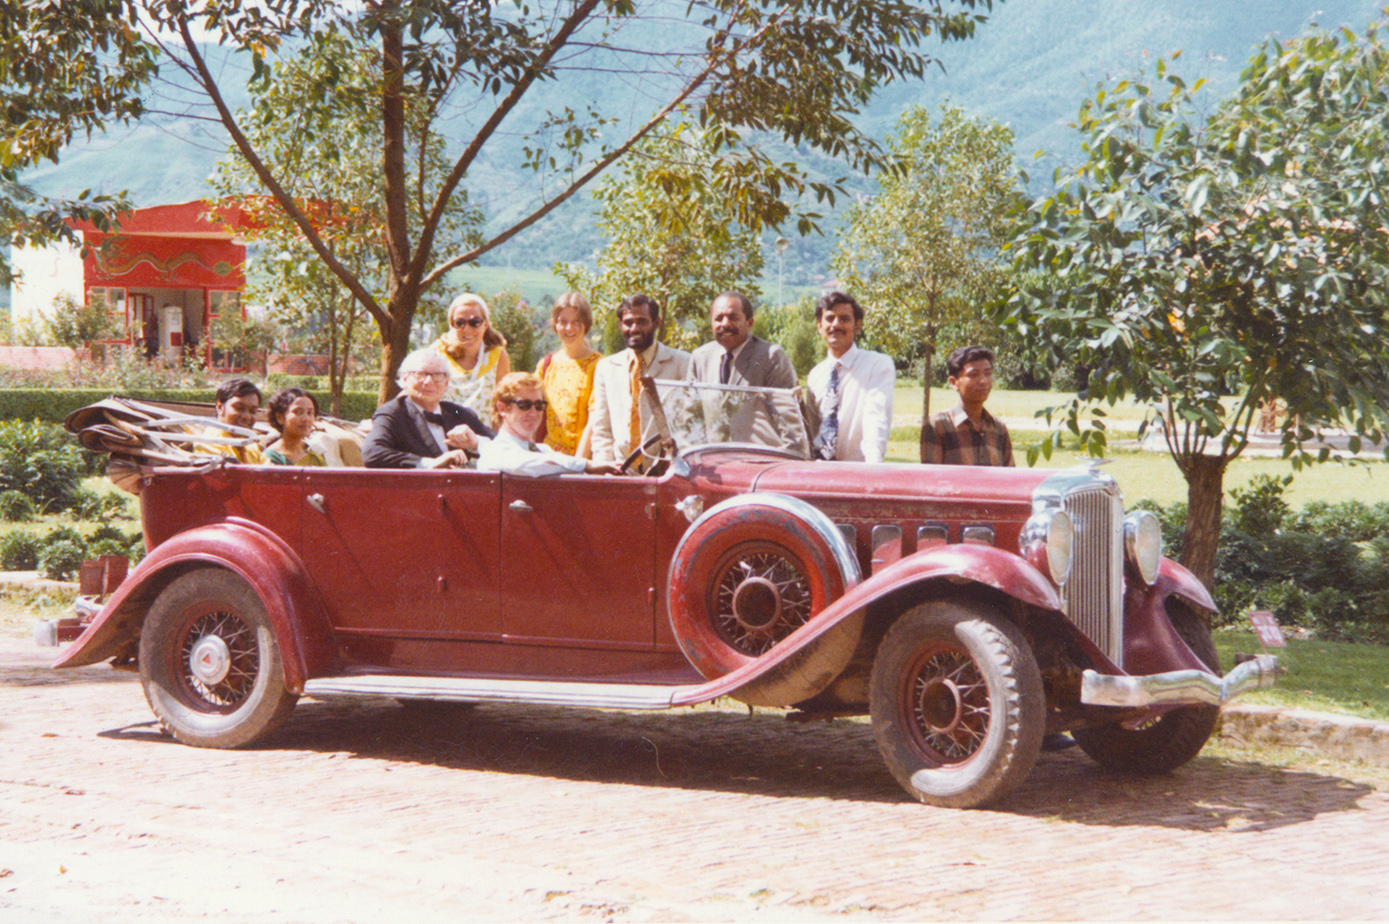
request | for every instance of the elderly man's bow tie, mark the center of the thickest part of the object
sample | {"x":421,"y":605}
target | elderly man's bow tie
{"x":434,"y":418}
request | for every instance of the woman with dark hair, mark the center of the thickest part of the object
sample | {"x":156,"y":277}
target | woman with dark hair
{"x":476,"y":351}
{"x":567,"y":375}
{"x":293,"y":412}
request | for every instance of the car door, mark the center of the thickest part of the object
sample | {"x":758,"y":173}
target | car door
{"x":578,"y":561}
{"x":405,"y":554}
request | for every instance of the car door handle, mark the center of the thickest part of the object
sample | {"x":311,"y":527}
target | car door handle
{"x":316,"y":501}
{"x":521,"y":506}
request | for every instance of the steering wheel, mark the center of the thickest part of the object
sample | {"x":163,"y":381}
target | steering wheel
{"x":626,"y":467}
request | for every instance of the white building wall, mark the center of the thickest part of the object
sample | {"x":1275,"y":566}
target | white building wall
{"x":41,"y":274}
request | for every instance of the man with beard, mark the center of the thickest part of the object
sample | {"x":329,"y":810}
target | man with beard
{"x":619,"y":418}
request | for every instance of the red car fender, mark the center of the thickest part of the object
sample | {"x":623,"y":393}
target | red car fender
{"x":1152,"y":645}
{"x":254,"y":554}
{"x":969,"y":562}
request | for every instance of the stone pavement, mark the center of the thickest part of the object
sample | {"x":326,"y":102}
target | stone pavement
{"x":359,"y":812}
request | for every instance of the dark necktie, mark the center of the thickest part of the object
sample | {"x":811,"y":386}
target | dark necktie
{"x":725,"y":367}
{"x":829,"y":427}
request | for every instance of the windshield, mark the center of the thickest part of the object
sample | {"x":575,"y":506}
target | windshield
{"x":699,"y":413}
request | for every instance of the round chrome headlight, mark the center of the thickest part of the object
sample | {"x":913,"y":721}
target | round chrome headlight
{"x":1046,"y":542}
{"x":1143,"y":544}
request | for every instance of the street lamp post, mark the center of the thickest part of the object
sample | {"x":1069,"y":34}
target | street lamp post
{"x":781,"y":245}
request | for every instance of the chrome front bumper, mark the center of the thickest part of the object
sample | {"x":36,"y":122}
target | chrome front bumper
{"x":1190,"y":686}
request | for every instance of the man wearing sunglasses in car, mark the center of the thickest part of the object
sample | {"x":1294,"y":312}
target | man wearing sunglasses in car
{"x":418,"y":429}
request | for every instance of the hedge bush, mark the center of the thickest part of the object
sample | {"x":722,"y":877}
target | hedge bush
{"x":19,"y":551}
{"x":60,"y":561}
{"x":53,"y":405}
{"x":16,"y":507}
{"x":41,"y":462}
{"x":1325,"y":567}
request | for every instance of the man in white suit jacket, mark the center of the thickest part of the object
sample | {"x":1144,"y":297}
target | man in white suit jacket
{"x":610,"y":410}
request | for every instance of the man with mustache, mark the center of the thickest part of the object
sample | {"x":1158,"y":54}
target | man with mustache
{"x":851,"y":387}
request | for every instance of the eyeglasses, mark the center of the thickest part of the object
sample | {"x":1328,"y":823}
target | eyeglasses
{"x":469,"y":322}
{"x":431,"y":376}
{"x":526,"y":404}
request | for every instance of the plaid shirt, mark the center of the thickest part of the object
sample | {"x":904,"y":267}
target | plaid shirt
{"x":952,"y":439}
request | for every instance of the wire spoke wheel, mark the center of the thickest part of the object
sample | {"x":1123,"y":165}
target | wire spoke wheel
{"x":760,"y":595}
{"x":210,"y":664}
{"x":221,"y":660}
{"x":957,"y":703}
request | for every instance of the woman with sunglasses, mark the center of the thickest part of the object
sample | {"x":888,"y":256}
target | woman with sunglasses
{"x":518,"y":410}
{"x":476,"y":351}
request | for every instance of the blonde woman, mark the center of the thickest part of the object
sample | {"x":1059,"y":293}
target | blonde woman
{"x":476,"y":351}
{"x":567,"y":375}
{"x":518,"y":410}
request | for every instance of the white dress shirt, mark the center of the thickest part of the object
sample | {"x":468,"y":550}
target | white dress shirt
{"x":866,"y":380}
{"x":512,"y":456}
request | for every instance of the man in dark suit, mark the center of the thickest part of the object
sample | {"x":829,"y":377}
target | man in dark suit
{"x":737,"y":358}
{"x":417,"y":429}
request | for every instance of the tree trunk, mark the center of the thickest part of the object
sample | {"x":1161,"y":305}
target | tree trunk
{"x":926,"y":397}
{"x":395,"y":346}
{"x":1205,"y":481}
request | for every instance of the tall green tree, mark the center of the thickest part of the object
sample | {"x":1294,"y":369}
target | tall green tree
{"x":1208,"y":264}
{"x":797,"y":71}
{"x":66,"y":69}
{"x":925,"y":252}
{"x":674,"y":233}
{"x":330,"y":155}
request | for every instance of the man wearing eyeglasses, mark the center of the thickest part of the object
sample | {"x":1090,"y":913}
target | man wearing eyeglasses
{"x":418,"y":429}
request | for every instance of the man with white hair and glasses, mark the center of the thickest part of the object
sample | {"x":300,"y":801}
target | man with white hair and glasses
{"x":417,"y":428}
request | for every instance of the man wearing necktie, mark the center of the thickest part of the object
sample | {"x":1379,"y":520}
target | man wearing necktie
{"x":852,"y":387}
{"x":418,"y":429}
{"x":736,"y":357}
{"x":618,"y":416}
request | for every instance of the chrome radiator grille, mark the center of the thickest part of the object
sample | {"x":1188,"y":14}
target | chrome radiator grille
{"x":1094,"y":595}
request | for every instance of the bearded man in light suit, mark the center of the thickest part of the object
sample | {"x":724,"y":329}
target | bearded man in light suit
{"x":620,"y":422}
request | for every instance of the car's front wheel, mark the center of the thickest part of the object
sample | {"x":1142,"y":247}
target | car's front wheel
{"x":957,"y":703}
{"x":1171,"y":739}
{"x":210,"y":664}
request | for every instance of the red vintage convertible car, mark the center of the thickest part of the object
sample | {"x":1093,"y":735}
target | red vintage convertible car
{"x":968,"y":611}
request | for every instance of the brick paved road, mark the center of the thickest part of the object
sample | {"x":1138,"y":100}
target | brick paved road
{"x":367,"y":813}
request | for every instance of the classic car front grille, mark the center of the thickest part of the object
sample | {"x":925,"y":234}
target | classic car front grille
{"x":1094,"y":594}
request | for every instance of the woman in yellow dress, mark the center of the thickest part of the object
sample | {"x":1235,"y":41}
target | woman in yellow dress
{"x":567,"y":375}
{"x":476,"y":351}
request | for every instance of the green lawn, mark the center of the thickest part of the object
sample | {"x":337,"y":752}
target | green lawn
{"x":1321,"y":676}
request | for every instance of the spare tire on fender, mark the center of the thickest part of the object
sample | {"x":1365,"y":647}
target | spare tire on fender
{"x":746,"y":575}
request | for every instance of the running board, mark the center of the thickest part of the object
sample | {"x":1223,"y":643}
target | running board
{"x":492,"y":690}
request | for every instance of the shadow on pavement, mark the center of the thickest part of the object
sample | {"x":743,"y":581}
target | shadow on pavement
{"x":764,"y":754}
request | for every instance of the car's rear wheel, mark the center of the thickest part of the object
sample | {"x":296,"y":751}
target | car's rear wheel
{"x":210,"y":664}
{"x":957,"y":703}
{"x":1171,"y":739}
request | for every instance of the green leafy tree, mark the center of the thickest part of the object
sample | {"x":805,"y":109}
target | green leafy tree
{"x":494,"y":72}
{"x":1208,"y":265}
{"x":78,"y":325}
{"x":65,"y":69}
{"x":330,"y":154}
{"x":673,"y":233}
{"x":925,"y":251}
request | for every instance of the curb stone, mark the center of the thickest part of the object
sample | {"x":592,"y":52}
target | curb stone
{"x":1336,"y":736}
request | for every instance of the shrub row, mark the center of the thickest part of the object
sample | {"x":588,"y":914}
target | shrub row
{"x":60,"y":552}
{"x":54,"y":405}
{"x":1324,"y":567}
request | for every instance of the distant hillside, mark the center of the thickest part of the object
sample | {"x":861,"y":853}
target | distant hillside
{"x":1029,"y":66}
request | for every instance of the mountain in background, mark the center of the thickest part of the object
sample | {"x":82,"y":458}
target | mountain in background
{"x":1030,"y":66}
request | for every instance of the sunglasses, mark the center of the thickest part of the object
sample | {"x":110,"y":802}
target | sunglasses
{"x":469,"y":322}
{"x":526,"y":404}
